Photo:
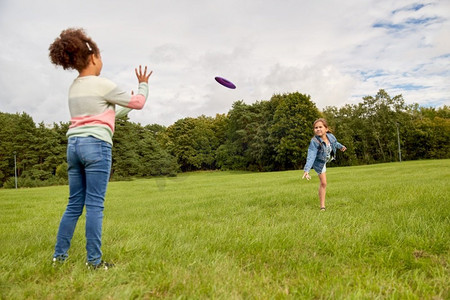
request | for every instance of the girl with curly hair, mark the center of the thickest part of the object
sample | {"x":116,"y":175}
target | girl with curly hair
{"x":94,"y":104}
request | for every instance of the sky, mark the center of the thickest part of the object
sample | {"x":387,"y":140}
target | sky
{"x":335,"y":51}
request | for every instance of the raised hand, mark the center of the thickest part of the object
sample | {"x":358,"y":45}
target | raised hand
{"x":142,"y":77}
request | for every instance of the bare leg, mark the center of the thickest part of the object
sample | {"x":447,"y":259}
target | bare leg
{"x":322,"y":188}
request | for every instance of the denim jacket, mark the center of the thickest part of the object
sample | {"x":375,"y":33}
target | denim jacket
{"x":317,"y":155}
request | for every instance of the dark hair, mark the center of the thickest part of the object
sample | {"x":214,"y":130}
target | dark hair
{"x":72,"y":49}
{"x":324,"y":122}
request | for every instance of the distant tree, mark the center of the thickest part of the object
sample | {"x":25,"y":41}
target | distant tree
{"x":46,"y":153}
{"x":17,"y":136}
{"x":369,"y":130}
{"x":262,"y":136}
{"x":136,"y":151}
{"x":382,"y":116}
{"x":155,"y":129}
{"x":153,"y":159}
{"x":347,"y":125}
{"x":125,"y":158}
{"x":242,"y":126}
{"x":268,"y":135}
{"x":428,"y":134}
{"x":292,"y":128}
{"x":193,"y":142}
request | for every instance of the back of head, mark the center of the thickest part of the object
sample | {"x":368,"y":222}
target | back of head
{"x":72,"y":49}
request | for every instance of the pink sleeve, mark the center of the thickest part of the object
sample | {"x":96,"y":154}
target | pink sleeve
{"x":136,"y":101}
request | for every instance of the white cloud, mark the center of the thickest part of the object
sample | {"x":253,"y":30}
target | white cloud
{"x":334,"y":51}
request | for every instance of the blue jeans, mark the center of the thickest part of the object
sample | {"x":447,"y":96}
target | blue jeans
{"x":89,"y":167}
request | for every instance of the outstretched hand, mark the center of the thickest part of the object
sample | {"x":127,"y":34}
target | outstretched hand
{"x":142,"y":77}
{"x":306,"y":175}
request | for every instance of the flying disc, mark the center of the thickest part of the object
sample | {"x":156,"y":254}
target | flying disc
{"x":225,"y":82}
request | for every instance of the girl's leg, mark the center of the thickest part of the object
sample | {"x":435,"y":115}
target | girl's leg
{"x":322,"y":188}
{"x":77,"y":189}
{"x":98,"y":166}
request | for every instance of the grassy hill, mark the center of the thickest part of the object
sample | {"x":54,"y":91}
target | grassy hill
{"x":231,"y":235}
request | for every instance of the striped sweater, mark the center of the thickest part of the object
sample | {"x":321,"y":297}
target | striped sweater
{"x":94,"y":104}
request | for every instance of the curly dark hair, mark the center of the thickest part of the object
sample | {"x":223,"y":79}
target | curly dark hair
{"x":71,"y":50}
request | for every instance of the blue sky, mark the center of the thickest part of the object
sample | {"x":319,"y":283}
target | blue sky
{"x":335,"y":51}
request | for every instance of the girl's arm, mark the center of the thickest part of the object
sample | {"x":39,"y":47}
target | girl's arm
{"x":122,"y":98}
{"x":312,"y":153}
{"x":119,"y":97}
{"x":141,"y":97}
{"x":122,"y":111}
{"x":340,"y":146}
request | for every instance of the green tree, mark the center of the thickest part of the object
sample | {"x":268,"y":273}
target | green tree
{"x":153,"y":159}
{"x":46,"y":153}
{"x":292,"y":128}
{"x":17,"y":136}
{"x":125,"y":158}
{"x":242,"y":126}
{"x":193,"y":142}
{"x":369,"y":130}
{"x":381,"y":113}
{"x":136,"y":151}
{"x":268,"y":135}
{"x":346,"y":124}
{"x":428,"y":134}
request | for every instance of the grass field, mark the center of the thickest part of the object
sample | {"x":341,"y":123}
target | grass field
{"x":230,"y":235}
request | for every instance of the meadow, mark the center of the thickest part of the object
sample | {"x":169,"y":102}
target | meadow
{"x":235,"y":235}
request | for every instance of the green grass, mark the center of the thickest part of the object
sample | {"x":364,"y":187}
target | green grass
{"x":230,"y":235}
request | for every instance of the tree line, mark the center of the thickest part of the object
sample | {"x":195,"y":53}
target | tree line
{"x":270,"y":135}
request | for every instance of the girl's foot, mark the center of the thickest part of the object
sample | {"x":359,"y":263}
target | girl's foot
{"x":322,"y":208}
{"x":102,"y":265}
{"x":58,"y":261}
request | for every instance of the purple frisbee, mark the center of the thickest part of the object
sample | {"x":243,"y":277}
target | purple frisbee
{"x":225,"y":82}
